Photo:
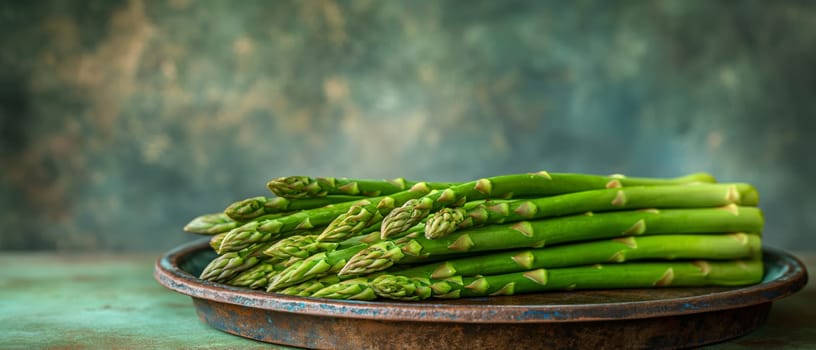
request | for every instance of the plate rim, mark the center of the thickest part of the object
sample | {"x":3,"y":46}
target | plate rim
{"x":169,"y":274}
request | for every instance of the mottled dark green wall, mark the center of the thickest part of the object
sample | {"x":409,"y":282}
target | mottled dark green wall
{"x":121,"y":120}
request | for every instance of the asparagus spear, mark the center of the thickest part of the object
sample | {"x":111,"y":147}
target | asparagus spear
{"x":307,"y":288}
{"x":298,"y":246}
{"x":406,"y":288}
{"x":267,"y":230}
{"x":227,"y":265}
{"x":257,"y":276}
{"x":630,"y":248}
{"x":295,"y":248}
{"x":448,"y":220}
{"x":303,"y":246}
{"x":524,"y":234}
{"x":217,"y":223}
{"x":215,"y":241}
{"x":504,"y":186}
{"x":211,"y":224}
{"x":623,"y":249}
{"x":363,"y":217}
{"x":305,"y":186}
{"x":356,"y":219}
{"x":322,"y":263}
{"x":628,"y":275}
{"x":251,"y":208}
{"x":317,"y":265}
{"x":353,"y":289}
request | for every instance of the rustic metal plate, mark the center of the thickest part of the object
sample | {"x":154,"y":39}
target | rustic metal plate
{"x":623,"y":318}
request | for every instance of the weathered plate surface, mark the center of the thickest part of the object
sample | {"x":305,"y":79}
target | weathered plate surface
{"x":624,"y":318}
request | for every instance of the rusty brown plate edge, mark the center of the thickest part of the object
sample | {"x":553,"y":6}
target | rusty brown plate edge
{"x":169,"y":274}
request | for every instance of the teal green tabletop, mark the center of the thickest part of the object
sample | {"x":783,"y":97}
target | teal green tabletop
{"x":108,"y":301}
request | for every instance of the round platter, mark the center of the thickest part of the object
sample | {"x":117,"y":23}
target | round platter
{"x":622,"y":318}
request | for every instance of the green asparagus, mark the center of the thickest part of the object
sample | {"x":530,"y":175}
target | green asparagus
{"x":257,"y":276}
{"x":353,"y":289}
{"x":303,"y":246}
{"x":317,"y":265}
{"x":267,"y":230}
{"x":298,"y":246}
{"x":211,"y":224}
{"x":324,"y":259}
{"x":362,"y":218}
{"x":622,"y":249}
{"x":366,"y":213}
{"x":628,"y":275}
{"x":307,"y":288}
{"x":228,"y":265}
{"x":356,"y":219}
{"x":217,"y":223}
{"x":448,"y":220}
{"x":341,"y":238}
{"x":305,"y":187}
{"x":251,"y":208}
{"x":525,"y":234}
{"x":215,"y":241}
{"x":328,"y":261}
{"x":505,"y":186}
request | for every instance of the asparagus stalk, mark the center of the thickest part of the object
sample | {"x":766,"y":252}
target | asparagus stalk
{"x":305,"y":186}
{"x":211,"y":224}
{"x":267,"y":230}
{"x":406,"y":288}
{"x":363,"y":217}
{"x":298,"y":246}
{"x":307,"y":288}
{"x":526,"y":234}
{"x":251,"y":208}
{"x":294,"y":248}
{"x":353,"y":289}
{"x":713,"y":247}
{"x":616,"y":250}
{"x":257,"y":276}
{"x":324,"y":263}
{"x":448,"y":220}
{"x":504,"y":186}
{"x":303,"y":246}
{"x":227,"y":265}
{"x":628,"y":275}
{"x":315,"y":266}
{"x":215,"y":241}
{"x":217,"y":223}
{"x":356,"y":219}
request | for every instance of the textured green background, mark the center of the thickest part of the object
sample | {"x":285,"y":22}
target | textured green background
{"x":121,"y":120}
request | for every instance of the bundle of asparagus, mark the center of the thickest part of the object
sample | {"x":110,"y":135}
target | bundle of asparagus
{"x":519,"y":233}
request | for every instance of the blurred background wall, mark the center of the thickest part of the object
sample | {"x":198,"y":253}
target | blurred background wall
{"x":121,"y":120}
